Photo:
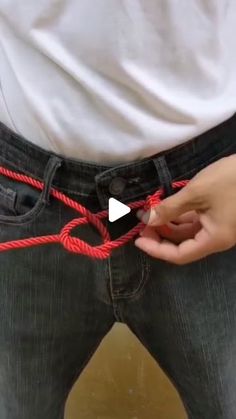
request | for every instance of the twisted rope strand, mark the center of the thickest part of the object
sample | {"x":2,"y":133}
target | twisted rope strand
{"x":74,"y":244}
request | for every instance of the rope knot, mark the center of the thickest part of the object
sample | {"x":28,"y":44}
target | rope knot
{"x":74,"y":244}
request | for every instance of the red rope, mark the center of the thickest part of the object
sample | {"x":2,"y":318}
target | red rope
{"x":74,"y":244}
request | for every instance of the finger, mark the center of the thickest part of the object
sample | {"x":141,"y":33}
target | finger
{"x":179,"y":232}
{"x":173,"y":207}
{"x":174,"y":233}
{"x":188,"y":217}
{"x":164,"y":230}
{"x":150,"y":232}
{"x":188,"y":251}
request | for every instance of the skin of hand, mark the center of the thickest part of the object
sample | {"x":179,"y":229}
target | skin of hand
{"x":197,"y":221}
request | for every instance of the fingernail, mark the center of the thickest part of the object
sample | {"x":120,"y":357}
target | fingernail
{"x":147,"y":217}
{"x":152,"y":217}
{"x":144,"y":216}
{"x":136,"y":242}
{"x":140,"y":214}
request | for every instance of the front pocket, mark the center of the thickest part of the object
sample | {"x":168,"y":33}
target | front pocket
{"x":19,"y":202}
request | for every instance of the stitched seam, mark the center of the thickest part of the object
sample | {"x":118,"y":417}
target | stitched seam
{"x":205,"y":137}
{"x":49,"y":154}
{"x":204,"y":164}
{"x":24,"y":171}
{"x":199,"y":167}
{"x":88,"y":195}
{"x":115,"y":308}
{"x":28,"y":173}
{"x":34,"y":212}
{"x":30,"y":216}
{"x":145,"y":276}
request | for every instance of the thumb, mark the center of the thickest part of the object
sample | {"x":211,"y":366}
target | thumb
{"x":172,"y":207}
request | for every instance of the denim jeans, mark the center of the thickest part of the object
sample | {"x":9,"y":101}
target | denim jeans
{"x":57,"y":306}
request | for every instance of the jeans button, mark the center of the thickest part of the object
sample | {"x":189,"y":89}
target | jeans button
{"x":117,"y":186}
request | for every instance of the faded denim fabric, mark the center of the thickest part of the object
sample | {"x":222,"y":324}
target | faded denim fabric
{"x":56,"y":306}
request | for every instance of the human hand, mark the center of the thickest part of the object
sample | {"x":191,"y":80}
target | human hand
{"x":198,"y":220}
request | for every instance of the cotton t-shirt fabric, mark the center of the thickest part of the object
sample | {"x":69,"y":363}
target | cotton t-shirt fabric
{"x":111,"y":81}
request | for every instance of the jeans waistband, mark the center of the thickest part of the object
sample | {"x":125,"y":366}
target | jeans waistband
{"x":127,"y":181}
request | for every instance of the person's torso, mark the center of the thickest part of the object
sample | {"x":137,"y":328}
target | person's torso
{"x":116,"y":80}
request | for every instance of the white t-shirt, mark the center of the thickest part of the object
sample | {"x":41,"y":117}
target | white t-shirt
{"x":111,"y":81}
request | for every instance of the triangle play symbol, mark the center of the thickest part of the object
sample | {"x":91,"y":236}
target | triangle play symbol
{"x":116,"y":209}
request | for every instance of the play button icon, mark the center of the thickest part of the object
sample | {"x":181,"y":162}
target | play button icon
{"x":116,"y":210}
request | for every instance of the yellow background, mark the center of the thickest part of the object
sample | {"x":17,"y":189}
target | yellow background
{"x":122,"y":381}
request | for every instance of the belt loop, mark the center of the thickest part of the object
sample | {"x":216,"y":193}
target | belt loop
{"x":52,"y":165}
{"x":164,"y":175}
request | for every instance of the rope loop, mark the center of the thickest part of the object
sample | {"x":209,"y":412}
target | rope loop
{"x":74,"y":244}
